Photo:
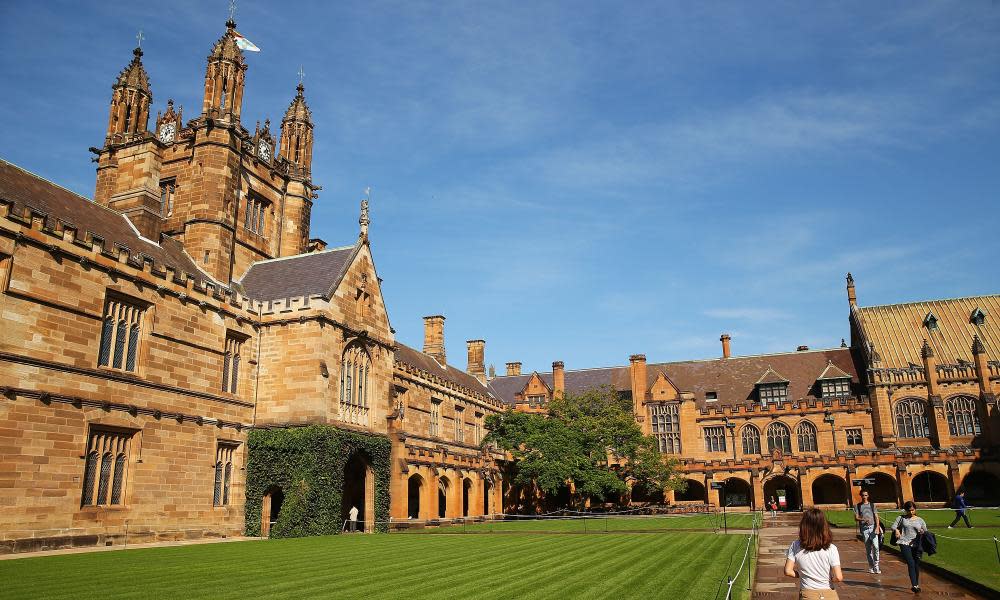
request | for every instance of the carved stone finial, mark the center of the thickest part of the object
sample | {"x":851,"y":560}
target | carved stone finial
{"x":926,"y":351}
{"x":843,"y":343}
{"x":977,"y":346}
{"x":850,"y":279}
{"x":363,"y":221}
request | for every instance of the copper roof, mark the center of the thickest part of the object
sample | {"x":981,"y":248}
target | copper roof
{"x":732,"y":379}
{"x":316,"y":274}
{"x":27,"y":190}
{"x":424,"y":362}
{"x":897,"y":331}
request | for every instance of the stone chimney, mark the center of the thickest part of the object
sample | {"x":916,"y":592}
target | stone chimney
{"x":802,"y":348}
{"x":477,"y":359}
{"x":558,"y":379}
{"x":852,"y":298}
{"x":726,"y":353}
{"x":513,"y":368}
{"x":434,"y":338}
{"x":637,"y":372}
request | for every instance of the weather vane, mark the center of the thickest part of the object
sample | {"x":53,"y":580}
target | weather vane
{"x":302,"y":75}
{"x":232,"y":10}
{"x":139,"y":37}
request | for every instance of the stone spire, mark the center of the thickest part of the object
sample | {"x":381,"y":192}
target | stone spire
{"x":297,"y":134}
{"x":224,"y":77}
{"x":130,"y":100}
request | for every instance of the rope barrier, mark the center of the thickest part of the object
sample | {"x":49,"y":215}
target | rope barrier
{"x":992,"y":539}
{"x":732,"y":580}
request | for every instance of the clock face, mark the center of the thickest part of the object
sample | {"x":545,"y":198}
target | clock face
{"x":167,"y":132}
{"x":264,"y":151}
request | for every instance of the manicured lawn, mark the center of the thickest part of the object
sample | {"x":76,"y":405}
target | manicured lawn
{"x":658,"y":565}
{"x":968,"y":552}
{"x":599,"y":524}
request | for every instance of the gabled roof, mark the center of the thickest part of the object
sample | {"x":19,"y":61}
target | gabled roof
{"x":897,"y":331}
{"x":27,"y":190}
{"x":547,"y":384}
{"x":424,"y":362}
{"x":832,"y":371}
{"x":732,"y":379}
{"x":316,"y":274}
{"x":770,"y":376}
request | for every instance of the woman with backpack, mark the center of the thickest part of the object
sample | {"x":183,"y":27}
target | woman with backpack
{"x":866,"y":515}
{"x":813,"y":558}
{"x":908,"y":528}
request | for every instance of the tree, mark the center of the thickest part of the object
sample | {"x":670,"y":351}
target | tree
{"x":590,"y":439}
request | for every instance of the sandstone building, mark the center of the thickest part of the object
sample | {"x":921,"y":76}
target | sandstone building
{"x":910,"y":405}
{"x":149,"y":333}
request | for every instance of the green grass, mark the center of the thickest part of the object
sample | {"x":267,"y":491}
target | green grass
{"x":971,"y":555}
{"x":597,"y":524}
{"x":674,"y":565}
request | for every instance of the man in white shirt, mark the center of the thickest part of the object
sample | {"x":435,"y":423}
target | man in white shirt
{"x":353,"y":516}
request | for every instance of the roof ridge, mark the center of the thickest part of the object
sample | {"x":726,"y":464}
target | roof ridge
{"x":915,"y":302}
{"x":301,"y":255}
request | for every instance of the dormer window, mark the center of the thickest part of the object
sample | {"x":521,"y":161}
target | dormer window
{"x":711,"y":396}
{"x":978,"y":316}
{"x":931,"y":322}
{"x":836,"y":388}
{"x":772,"y":393}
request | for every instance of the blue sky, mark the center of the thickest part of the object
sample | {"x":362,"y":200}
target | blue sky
{"x":583,"y":181}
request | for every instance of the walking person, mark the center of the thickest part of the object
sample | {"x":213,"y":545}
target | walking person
{"x":908,"y":528}
{"x":960,"y":508}
{"x":773,"y":505}
{"x":353,"y":517}
{"x":866,"y":515}
{"x":813,"y":558}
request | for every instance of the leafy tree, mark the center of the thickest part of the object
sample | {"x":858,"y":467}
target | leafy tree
{"x":591,"y":439}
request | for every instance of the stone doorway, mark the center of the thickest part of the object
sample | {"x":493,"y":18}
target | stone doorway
{"x":415,"y":489}
{"x":783,"y":486}
{"x":359,"y":492}
{"x":270,"y":509}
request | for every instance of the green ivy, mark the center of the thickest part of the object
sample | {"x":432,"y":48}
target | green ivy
{"x":308,"y":463}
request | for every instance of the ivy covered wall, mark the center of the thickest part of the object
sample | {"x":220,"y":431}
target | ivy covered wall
{"x":307,"y":464}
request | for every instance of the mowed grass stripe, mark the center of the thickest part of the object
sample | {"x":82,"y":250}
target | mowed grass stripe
{"x":521,"y":566}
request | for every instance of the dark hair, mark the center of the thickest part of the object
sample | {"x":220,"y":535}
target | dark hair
{"x":814,"y":530}
{"x":909,"y":504}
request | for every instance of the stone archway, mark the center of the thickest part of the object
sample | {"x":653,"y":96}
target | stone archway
{"x":358,"y":492}
{"x":981,"y":488}
{"x":737,"y":493}
{"x":694,"y":492}
{"x":442,"y":491}
{"x":270,"y":509}
{"x":466,"y":496}
{"x":830,"y":489}
{"x":783,"y":486}
{"x":930,"y":486}
{"x":414,"y":492}
{"x":884,"y":489}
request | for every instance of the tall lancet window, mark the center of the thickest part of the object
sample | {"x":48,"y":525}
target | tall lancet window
{"x":355,"y":373}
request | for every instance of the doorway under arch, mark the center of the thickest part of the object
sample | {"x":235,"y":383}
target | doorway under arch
{"x":737,"y":492}
{"x":981,"y":488}
{"x":466,"y":496}
{"x":830,"y":489}
{"x":358,"y":492}
{"x":783,"y":486}
{"x":270,"y":509}
{"x":487,"y":492}
{"x":694,"y":492}
{"x":884,"y":489}
{"x":414,"y":490}
{"x":443,"y":486}
{"x":930,"y":486}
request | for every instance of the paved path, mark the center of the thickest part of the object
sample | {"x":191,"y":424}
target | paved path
{"x":771,"y":583}
{"x":86,"y":549}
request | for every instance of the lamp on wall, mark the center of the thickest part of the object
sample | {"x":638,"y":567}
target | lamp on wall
{"x":732,"y":434}
{"x":828,"y":418}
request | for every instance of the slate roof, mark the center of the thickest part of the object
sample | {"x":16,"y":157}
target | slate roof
{"x":25,"y":189}
{"x":315,"y":274}
{"x":419,"y":360}
{"x":897,"y":331}
{"x":732,"y":379}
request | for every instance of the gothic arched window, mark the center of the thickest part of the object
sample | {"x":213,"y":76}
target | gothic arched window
{"x":778,"y":436}
{"x":911,"y":418}
{"x":751,"y":440}
{"x":355,"y":369}
{"x":963,"y":419}
{"x":806,"y":433}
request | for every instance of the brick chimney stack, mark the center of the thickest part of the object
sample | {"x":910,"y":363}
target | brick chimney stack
{"x":477,"y":359}
{"x":558,"y":379}
{"x":513,"y":368}
{"x":726,"y":352}
{"x":852,"y":298}
{"x":434,"y":338}
{"x":637,"y":372}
